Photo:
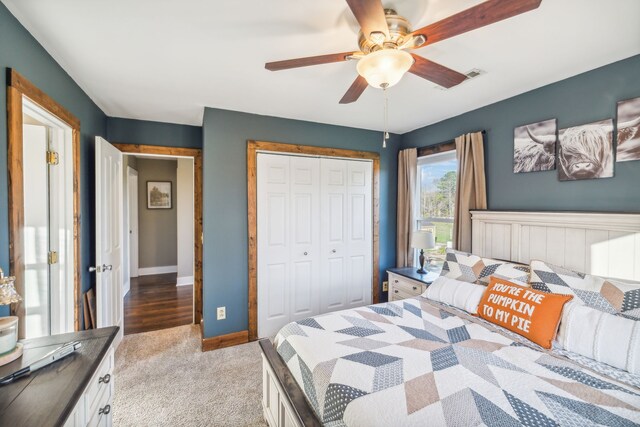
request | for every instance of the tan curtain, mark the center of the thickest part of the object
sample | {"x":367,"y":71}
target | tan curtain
{"x":471,"y":190}
{"x":407,"y":170}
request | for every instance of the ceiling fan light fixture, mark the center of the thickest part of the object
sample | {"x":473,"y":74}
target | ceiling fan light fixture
{"x":384,"y":68}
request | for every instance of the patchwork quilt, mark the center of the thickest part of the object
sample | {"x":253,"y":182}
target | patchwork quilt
{"x":415,"y":362}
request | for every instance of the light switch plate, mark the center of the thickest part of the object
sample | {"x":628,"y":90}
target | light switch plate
{"x":385,"y":286}
{"x":221,"y":313}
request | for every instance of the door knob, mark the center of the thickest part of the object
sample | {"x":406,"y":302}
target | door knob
{"x":97,"y":269}
{"x":106,"y":267}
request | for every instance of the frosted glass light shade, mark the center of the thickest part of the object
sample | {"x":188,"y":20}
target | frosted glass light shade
{"x":423,"y":240}
{"x":384,"y":68}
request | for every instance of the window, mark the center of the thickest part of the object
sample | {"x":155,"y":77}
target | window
{"x":436,"y":182}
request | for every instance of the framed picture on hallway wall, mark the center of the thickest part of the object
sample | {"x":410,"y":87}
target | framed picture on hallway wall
{"x":159,"y":195}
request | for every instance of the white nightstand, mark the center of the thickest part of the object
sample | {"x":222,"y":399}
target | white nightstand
{"x":406,"y":283}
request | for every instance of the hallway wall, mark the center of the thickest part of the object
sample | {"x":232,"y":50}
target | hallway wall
{"x":157,"y":227}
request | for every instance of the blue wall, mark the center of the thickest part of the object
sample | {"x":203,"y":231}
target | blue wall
{"x":153,"y":133}
{"x":581,"y":99}
{"x":20,"y":51}
{"x":225,"y":200}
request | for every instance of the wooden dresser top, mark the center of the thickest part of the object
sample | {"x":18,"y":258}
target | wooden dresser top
{"x":47,"y":397}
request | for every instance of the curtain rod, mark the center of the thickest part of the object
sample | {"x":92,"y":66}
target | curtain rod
{"x":432,"y":146}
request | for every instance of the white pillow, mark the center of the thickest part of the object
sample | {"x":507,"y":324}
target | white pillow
{"x":607,"y":338}
{"x":463,"y":295}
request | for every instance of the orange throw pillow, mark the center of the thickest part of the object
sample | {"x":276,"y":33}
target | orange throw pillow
{"x":533,"y":314}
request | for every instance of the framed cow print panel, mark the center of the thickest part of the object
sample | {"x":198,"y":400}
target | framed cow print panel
{"x":534,"y":147}
{"x":628,"y":130}
{"x":586,"y":152}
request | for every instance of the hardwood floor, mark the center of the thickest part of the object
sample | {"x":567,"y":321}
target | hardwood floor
{"x":155,"y":302}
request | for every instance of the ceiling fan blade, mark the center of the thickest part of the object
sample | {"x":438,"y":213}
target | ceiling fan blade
{"x":354,"y":92}
{"x":305,"y":62}
{"x":435,"y":72}
{"x":484,"y":14}
{"x":370,"y":16}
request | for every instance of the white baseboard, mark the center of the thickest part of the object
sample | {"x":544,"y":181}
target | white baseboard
{"x":184,"y":281}
{"x":148,"y":271}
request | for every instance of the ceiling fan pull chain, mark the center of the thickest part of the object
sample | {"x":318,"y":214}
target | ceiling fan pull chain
{"x":385,"y":134}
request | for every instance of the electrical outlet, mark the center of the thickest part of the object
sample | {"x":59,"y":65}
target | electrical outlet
{"x":222,"y":313}
{"x":385,"y":286}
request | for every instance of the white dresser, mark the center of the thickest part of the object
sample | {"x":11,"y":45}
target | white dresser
{"x":407,"y":283}
{"x":75,"y":391}
{"x":94,"y":406}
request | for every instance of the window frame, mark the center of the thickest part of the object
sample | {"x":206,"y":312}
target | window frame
{"x":430,"y":152}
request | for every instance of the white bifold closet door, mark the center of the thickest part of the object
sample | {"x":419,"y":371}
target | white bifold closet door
{"x":345,"y":234}
{"x":314,"y":237}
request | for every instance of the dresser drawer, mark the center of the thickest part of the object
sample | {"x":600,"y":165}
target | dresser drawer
{"x":101,"y":415}
{"x":101,"y":381}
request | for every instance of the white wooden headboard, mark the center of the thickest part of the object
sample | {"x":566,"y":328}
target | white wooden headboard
{"x":604,"y":244}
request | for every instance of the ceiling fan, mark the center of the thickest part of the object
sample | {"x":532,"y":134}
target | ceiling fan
{"x":385,"y":37}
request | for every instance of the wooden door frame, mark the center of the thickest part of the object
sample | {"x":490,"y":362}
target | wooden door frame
{"x":17,"y":88}
{"x":252,"y":193}
{"x":130,"y":174}
{"x":196,"y":154}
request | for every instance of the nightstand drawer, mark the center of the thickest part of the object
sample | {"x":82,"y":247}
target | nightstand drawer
{"x":409,"y":287}
{"x":406,"y":285}
{"x":400,"y":287}
{"x":397,"y":294}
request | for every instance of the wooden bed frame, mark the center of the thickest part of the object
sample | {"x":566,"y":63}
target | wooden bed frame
{"x":605,"y":244}
{"x":283,"y":401}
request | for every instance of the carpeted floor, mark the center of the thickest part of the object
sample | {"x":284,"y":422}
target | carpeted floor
{"x":163,"y":379}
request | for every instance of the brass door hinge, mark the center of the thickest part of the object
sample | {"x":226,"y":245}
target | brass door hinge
{"x":52,"y":158}
{"x":52,"y":258}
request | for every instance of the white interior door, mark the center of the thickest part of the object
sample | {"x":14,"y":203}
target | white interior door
{"x":334,"y":234}
{"x":304,"y":255}
{"x":273,"y":243}
{"x":133,"y":222}
{"x":48,"y":256}
{"x":288,"y":240}
{"x":109,"y":236}
{"x":36,"y":321}
{"x":346,"y":230}
{"x":359,"y":233}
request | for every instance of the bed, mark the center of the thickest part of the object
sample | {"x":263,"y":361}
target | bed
{"x":418,"y":362}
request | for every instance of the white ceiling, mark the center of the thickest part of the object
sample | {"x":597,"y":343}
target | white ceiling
{"x":165,"y":60}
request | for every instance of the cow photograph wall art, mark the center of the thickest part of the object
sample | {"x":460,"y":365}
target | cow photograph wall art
{"x":586,"y":152}
{"x":628,"y":130}
{"x":534,"y":147}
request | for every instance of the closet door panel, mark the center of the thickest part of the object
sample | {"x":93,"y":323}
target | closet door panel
{"x":273,"y":243}
{"x":305,"y":237}
{"x":359,"y":233}
{"x":276,"y":280}
{"x":333,"y":206}
{"x":357,"y":292}
{"x":333,"y":285}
